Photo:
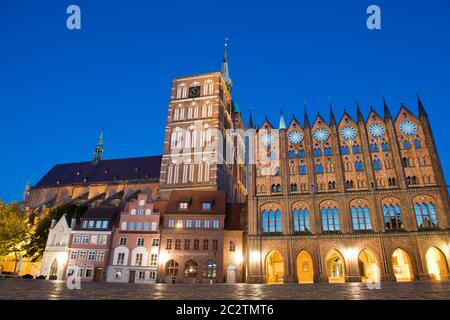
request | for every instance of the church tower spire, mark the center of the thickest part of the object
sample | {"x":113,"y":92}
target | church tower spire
{"x":282,"y":122}
{"x":225,"y":71}
{"x":98,"y":150}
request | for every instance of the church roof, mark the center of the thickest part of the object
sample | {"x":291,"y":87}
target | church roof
{"x":103,"y":171}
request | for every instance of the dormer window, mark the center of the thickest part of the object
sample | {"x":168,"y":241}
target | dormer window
{"x":141,"y":203}
{"x":206,"y":205}
{"x":183,"y":205}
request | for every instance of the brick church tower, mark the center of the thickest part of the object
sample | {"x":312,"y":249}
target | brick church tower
{"x":204,"y":145}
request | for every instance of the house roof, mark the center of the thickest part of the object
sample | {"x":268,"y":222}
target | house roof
{"x":141,"y":168}
{"x":195,"y":200}
{"x":101,"y":212}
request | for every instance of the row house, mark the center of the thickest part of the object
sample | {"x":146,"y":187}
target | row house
{"x":135,"y":243}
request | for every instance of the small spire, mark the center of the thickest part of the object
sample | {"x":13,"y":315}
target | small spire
{"x":250,"y":120}
{"x":332,"y":118}
{"x":225,"y":71}
{"x":422,"y":111}
{"x":98,"y":150}
{"x":306,"y":120}
{"x":387,"y":113}
{"x":282,"y":123}
{"x":358,"y":112}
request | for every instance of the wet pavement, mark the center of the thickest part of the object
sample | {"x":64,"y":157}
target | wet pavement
{"x":43,"y":289}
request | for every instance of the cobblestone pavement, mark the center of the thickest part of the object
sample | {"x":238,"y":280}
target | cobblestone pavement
{"x":42,"y":289}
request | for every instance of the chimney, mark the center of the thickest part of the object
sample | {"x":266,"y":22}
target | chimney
{"x":73,"y":223}
{"x":53,"y":223}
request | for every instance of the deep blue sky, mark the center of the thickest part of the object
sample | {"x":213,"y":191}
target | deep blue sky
{"x":58,"y":87}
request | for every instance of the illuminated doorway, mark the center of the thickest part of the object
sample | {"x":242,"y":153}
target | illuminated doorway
{"x":335,"y":267}
{"x":274,"y":267}
{"x":305,"y":272}
{"x":436,"y":264}
{"x":231,"y":273}
{"x":53,"y":275}
{"x":368,"y":266}
{"x":402,"y":266}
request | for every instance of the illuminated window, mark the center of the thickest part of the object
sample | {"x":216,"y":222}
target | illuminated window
{"x":301,"y":220}
{"x":425,"y":215}
{"x":361,"y":218}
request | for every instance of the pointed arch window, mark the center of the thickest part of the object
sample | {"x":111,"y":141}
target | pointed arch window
{"x":330,"y":219}
{"x":302,"y":169}
{"x":301,"y":220}
{"x":345,"y":149}
{"x":361,"y":218}
{"x":359,"y":165}
{"x":301,"y":153}
{"x":392,"y":217}
{"x":384,"y":146}
{"x":425,"y":215}
{"x":356,"y":149}
{"x":319,"y":168}
{"x":406,"y":145}
{"x":417,"y":144}
{"x":317,"y":152}
{"x":291,"y":154}
{"x":373,"y":147}
{"x":327,"y":151}
{"x":376,"y":164}
{"x":349,"y":184}
{"x":271,"y":221}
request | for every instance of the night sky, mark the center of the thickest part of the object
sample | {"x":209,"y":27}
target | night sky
{"x":58,"y":87}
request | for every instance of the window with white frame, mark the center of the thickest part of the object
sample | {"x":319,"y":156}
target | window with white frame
{"x":171,"y":223}
{"x":183,"y":205}
{"x":73,"y":255}
{"x":120,"y":259}
{"x":131,"y":226}
{"x":198,"y":223}
{"x":123,"y":241}
{"x":215,"y":223}
{"x":102,"y":239}
{"x":207,"y":223}
{"x":140,"y":241}
{"x":141,"y":203}
{"x":91,"y":256}
{"x":123,"y":226}
{"x":153,"y":260}
{"x":138,"y":259}
{"x":154,"y":226}
{"x":89,"y":272}
{"x":85,"y":239}
{"x":82,"y":255}
{"x":100,"y":256}
{"x":148,"y":212}
{"x":76,"y":238}
{"x":189,"y":223}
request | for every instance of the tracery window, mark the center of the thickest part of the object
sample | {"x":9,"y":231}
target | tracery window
{"x":425,"y":215}
{"x":330,"y":219}
{"x":361,"y":218}
{"x":392,"y":217}
{"x":271,"y":221}
{"x":301,"y":220}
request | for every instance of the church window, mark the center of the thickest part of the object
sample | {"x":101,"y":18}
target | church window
{"x":319,"y":168}
{"x":417,"y":144}
{"x":317,"y":152}
{"x":373,"y":147}
{"x":361,"y":218}
{"x":384,"y":146}
{"x":406,"y":145}
{"x":189,"y":113}
{"x":302,"y":169}
{"x":293,"y":187}
{"x":301,"y":220}
{"x":344,"y":149}
{"x":356,"y":149}
{"x":392,"y":217}
{"x":271,"y":221}
{"x":181,"y":91}
{"x":301,"y":153}
{"x":349,"y":184}
{"x":376,"y":164}
{"x":330,"y":219}
{"x":182,"y":114}
{"x":425,"y":215}
{"x":331,"y":185}
{"x":359,"y":165}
